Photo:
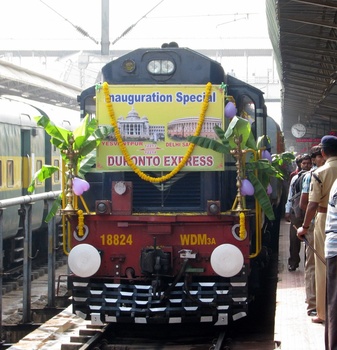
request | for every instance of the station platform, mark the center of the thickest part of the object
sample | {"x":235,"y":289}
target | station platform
{"x":293,"y":328}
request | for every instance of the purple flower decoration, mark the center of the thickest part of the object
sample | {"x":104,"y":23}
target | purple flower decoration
{"x":247,"y":189}
{"x":269,"y":189}
{"x":266,"y":155}
{"x":230,"y":110}
{"x":80,"y":186}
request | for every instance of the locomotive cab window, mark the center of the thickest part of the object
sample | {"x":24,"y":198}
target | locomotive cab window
{"x":247,"y":109}
{"x":90,"y":108}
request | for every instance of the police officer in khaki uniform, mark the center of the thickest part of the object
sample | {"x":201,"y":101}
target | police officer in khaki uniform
{"x":309,"y":266}
{"x":318,"y":201}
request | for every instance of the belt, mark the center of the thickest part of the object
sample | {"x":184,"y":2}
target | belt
{"x":321,"y":209}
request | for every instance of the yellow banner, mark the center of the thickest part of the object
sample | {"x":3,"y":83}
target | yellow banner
{"x":154,"y":122}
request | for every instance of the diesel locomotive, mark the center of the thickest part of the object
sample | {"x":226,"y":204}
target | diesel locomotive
{"x":158,"y":237}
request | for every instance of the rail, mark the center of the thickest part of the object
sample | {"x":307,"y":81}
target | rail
{"x":28,"y":199}
{"x":26,"y":202}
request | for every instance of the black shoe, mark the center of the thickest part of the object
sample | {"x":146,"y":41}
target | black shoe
{"x":312,"y":313}
{"x":292,"y":268}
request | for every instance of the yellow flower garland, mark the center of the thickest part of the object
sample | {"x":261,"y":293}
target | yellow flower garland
{"x":242,"y":232}
{"x":125,"y":152}
{"x":80,"y":223}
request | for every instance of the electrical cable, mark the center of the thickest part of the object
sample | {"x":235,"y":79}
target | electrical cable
{"x":79,"y":29}
{"x":126,"y":31}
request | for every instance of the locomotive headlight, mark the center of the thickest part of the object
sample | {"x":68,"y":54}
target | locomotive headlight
{"x":227,"y":260}
{"x":213,"y":207}
{"x":161,"y":67}
{"x":84,"y":260}
{"x":101,"y":208}
{"x":167,"y":67}
{"x":129,"y":66}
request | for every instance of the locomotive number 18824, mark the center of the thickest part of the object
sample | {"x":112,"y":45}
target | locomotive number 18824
{"x":111,"y":239}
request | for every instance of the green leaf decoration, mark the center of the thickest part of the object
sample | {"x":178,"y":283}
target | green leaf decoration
{"x":41,"y":175}
{"x":239,"y":127}
{"x":282,"y":163}
{"x":87,"y":136}
{"x":263,"y":141}
{"x":59,"y":134}
{"x":261,"y":196}
{"x":83,"y":132}
{"x":220,"y":133}
{"x":250,"y":143}
{"x":55,"y":207}
{"x":86,"y":164}
{"x":210,"y":144}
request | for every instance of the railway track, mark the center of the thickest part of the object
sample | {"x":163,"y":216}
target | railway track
{"x":66,"y":331}
{"x":12,"y":278}
{"x":105,"y":338}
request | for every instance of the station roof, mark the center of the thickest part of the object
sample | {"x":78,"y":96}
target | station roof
{"x":19,"y":81}
{"x":304,"y":37}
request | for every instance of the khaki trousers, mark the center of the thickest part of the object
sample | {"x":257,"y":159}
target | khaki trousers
{"x":309,"y":271}
{"x":320,"y":269}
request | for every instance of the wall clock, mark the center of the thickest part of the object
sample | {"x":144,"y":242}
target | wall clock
{"x":298,"y":130}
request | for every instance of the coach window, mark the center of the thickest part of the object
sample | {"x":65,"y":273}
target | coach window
{"x":38,"y":167}
{"x":10,"y":173}
{"x":57,"y":173}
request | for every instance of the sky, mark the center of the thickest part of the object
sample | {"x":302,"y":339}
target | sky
{"x":211,"y":24}
{"x":46,"y":24}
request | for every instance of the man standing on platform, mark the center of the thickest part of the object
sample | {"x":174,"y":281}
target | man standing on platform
{"x":331,"y":271}
{"x":320,"y":187}
{"x":292,"y":214}
{"x":309,"y":265}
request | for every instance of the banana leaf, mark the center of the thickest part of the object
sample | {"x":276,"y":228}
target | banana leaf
{"x":83,"y":132}
{"x":210,"y":144}
{"x":41,"y":175}
{"x":86,"y":164}
{"x":240,"y":127}
{"x":86,"y":138}
{"x":59,"y":135}
{"x":55,"y":207}
{"x":93,"y":141}
{"x":261,"y":196}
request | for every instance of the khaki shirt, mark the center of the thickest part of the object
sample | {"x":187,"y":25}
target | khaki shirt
{"x":319,"y":192}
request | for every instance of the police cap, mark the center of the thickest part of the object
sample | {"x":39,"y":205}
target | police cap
{"x":329,"y":141}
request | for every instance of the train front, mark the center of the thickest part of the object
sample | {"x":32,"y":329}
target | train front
{"x":150,"y":241}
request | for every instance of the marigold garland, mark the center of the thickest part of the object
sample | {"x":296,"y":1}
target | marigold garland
{"x":125,"y":152}
{"x":80,"y":223}
{"x":242,"y":232}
